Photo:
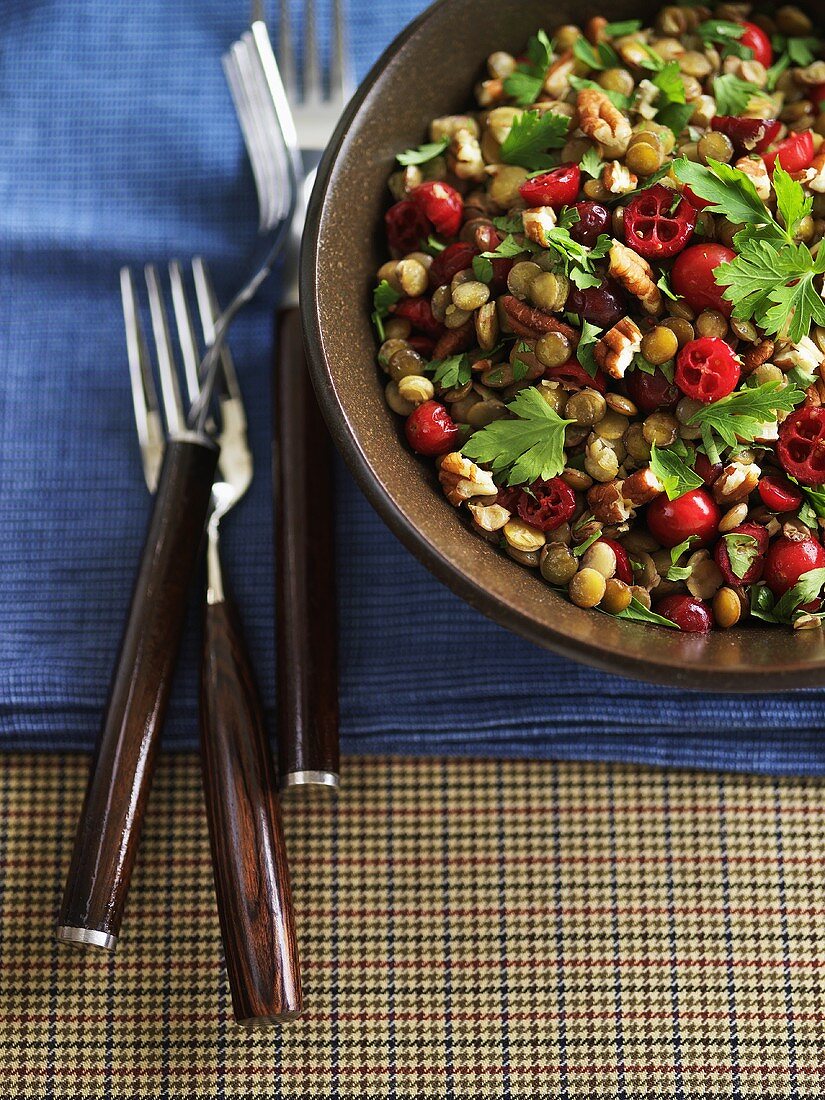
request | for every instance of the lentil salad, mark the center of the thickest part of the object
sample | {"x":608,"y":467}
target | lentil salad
{"x":603,"y":315}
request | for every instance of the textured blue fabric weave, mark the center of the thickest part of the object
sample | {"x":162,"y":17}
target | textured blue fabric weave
{"x":120,"y":145}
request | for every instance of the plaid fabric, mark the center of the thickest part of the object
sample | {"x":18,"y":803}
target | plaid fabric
{"x":469,"y":929}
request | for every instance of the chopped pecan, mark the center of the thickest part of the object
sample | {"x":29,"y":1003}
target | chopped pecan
{"x":757,"y":355}
{"x":449,"y":125}
{"x":642,"y":487}
{"x":557,"y":79}
{"x":532,"y":323}
{"x":736,"y":482}
{"x":805,"y":354}
{"x":487,"y":237}
{"x":757,"y":172}
{"x":815,"y":394}
{"x":614,"y":352}
{"x":489,"y":517}
{"x":462,"y":480}
{"x":602,"y":121}
{"x":608,"y":503}
{"x":594,"y":30}
{"x":538,"y":222}
{"x":489,"y":92}
{"x":454,"y":340}
{"x":636,"y":275}
{"x":464,"y":157}
{"x":618,"y":179}
{"x":817,"y":181}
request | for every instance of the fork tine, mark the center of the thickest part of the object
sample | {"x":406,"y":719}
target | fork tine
{"x":144,"y":394}
{"x":340,"y":75}
{"x":209,"y":311}
{"x":313,"y":91}
{"x":272,"y":107}
{"x":169,"y":386}
{"x":186,"y":331}
{"x":286,"y":52}
{"x":249,"y":118}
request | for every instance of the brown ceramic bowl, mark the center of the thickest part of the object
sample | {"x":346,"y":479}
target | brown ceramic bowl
{"x":430,"y":70}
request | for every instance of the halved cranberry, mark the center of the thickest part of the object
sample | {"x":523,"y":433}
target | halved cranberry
{"x":651,"y":391}
{"x":624,"y":570}
{"x":419,"y":313}
{"x":594,"y":219}
{"x":788,"y":560}
{"x":794,"y":153}
{"x":754,"y":572}
{"x":508,"y":497}
{"x":430,"y":429}
{"x":547,"y":504}
{"x":692,"y":616}
{"x":756,"y":39}
{"x":693,"y":513}
{"x":707,"y":370}
{"x":406,"y":227}
{"x":778,"y":494}
{"x":748,"y":135}
{"x":653,"y":228}
{"x":556,"y":188}
{"x":801,"y":445}
{"x":600,"y":305}
{"x":573,"y":376}
{"x":441,"y":205}
{"x":455,"y":257}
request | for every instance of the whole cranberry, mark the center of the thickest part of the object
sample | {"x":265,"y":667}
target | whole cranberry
{"x":673,"y":521}
{"x":624,"y":570}
{"x":440,"y":204}
{"x":754,"y":571}
{"x":691,"y":615}
{"x":694,"y":277}
{"x":788,"y":560}
{"x":455,"y":257}
{"x":594,"y":219}
{"x":779,"y":494}
{"x":600,"y":305}
{"x":430,"y":429}
{"x":651,"y":391}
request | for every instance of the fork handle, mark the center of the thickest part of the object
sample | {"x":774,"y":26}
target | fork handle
{"x":249,"y":857}
{"x":121,"y":773}
{"x":307,"y":640}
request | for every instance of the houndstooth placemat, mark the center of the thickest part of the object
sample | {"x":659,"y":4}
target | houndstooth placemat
{"x":468,"y":929}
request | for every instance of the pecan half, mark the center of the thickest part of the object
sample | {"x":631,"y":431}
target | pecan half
{"x":454,"y":340}
{"x":615,"y":351}
{"x":608,"y":503}
{"x":642,"y":487}
{"x":603,"y":122}
{"x":532,"y":323}
{"x":757,"y":355}
{"x":636,"y":275}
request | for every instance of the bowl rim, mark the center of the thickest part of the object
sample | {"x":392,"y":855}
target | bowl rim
{"x":590,"y":652}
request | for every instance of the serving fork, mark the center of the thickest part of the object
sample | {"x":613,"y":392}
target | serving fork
{"x":112,"y":815}
{"x":303,"y":475}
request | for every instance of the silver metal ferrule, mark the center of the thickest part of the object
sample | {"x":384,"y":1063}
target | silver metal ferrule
{"x":86,"y":937}
{"x":309,"y":779}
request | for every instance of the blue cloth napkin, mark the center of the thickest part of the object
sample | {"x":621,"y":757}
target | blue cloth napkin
{"x":120,"y":145}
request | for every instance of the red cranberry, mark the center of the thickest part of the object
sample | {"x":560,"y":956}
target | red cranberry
{"x":600,"y":305}
{"x":455,"y":257}
{"x":691,"y":615}
{"x":673,"y":521}
{"x":706,"y":369}
{"x":624,"y":570}
{"x":548,"y":504}
{"x":778,"y":494}
{"x":801,"y":445}
{"x":556,"y":188}
{"x":794,"y":153}
{"x":651,"y":391}
{"x":441,"y":205}
{"x":418,"y":312}
{"x":573,"y":376}
{"x":788,"y":560}
{"x":756,"y":39}
{"x":594,"y":219}
{"x":754,"y":572}
{"x":424,"y":345}
{"x":706,"y":470}
{"x":431,"y":430}
{"x":653,"y":228}
{"x":406,"y":227}
{"x":748,"y":135}
{"x":694,"y":277}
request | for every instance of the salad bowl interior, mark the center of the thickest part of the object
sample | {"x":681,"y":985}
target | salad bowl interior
{"x":430,"y":70}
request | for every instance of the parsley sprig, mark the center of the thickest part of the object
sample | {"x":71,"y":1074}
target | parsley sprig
{"x":672,"y":467}
{"x":732,"y":94}
{"x":742,"y":415}
{"x":451,"y":372}
{"x":383,"y":296}
{"x":525,"y":448}
{"x":424,"y":153}
{"x":788,"y":608}
{"x":532,"y":136}
{"x":725,"y":35}
{"x":524,"y":85}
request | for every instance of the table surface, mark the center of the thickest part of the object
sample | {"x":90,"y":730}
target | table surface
{"x":468,"y":929}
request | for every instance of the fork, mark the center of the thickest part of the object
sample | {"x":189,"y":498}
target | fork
{"x":307,"y":636}
{"x":120,"y":777}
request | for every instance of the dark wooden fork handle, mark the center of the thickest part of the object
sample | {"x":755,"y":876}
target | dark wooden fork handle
{"x":307,"y":645}
{"x":249,"y":856}
{"x":112,"y":816}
